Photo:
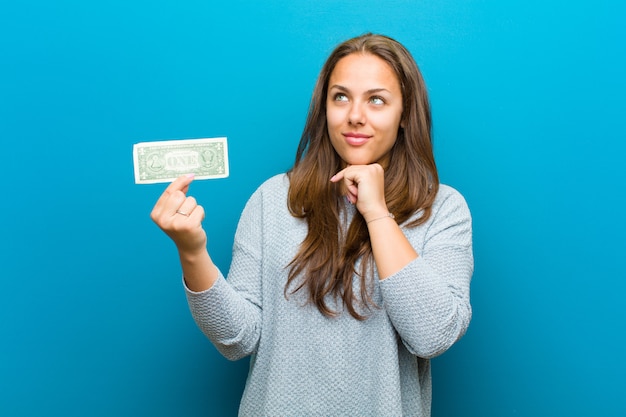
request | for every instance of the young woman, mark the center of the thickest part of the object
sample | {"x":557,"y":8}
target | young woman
{"x":351,"y":270}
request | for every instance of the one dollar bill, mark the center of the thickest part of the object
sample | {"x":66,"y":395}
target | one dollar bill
{"x":164,"y":161}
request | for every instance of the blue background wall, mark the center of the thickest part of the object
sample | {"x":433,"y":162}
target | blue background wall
{"x":530,"y":125}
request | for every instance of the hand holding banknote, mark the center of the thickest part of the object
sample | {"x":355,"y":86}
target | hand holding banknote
{"x":180,"y":217}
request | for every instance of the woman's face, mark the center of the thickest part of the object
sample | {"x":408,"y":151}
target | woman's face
{"x":363,"y":109}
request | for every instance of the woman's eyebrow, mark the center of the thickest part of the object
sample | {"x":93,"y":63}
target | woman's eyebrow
{"x":338,"y":87}
{"x":370,"y":91}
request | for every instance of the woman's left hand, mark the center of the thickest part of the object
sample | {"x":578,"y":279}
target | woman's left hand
{"x":365,"y":187}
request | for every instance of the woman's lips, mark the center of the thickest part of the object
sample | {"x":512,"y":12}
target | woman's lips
{"x":356,"y":139}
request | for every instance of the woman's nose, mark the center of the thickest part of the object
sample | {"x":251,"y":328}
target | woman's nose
{"x":356,"y":115}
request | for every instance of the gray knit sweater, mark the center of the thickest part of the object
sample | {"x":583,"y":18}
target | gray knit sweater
{"x":305,"y":364}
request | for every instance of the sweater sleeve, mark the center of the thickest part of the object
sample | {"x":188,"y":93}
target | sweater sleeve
{"x":229,"y":313}
{"x":428,"y":300}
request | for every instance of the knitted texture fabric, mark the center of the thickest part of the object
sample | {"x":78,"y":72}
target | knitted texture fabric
{"x":306,"y":364}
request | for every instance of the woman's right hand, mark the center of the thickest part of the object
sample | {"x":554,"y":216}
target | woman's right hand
{"x":180,"y":216}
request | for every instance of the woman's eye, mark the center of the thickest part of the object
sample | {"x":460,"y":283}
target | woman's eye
{"x":341,"y":97}
{"x":377,"y":100}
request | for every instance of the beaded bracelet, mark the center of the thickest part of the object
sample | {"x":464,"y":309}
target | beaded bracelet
{"x":390,"y":215}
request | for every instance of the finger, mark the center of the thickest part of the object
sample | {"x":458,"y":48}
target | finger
{"x":187,"y":207}
{"x":179,"y":185}
{"x":351,"y":176}
{"x":337,"y":177}
{"x":353,"y":192}
{"x":166,"y":206}
{"x":197,"y":215}
{"x":340,"y":175}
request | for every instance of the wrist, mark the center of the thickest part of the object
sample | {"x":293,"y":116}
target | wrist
{"x":189,"y":255}
{"x":372,"y":219}
{"x":199,"y":271}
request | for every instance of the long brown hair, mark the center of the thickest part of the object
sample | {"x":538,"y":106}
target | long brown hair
{"x":327,"y":258}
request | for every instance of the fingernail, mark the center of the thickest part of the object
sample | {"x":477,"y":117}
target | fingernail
{"x":191,"y":175}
